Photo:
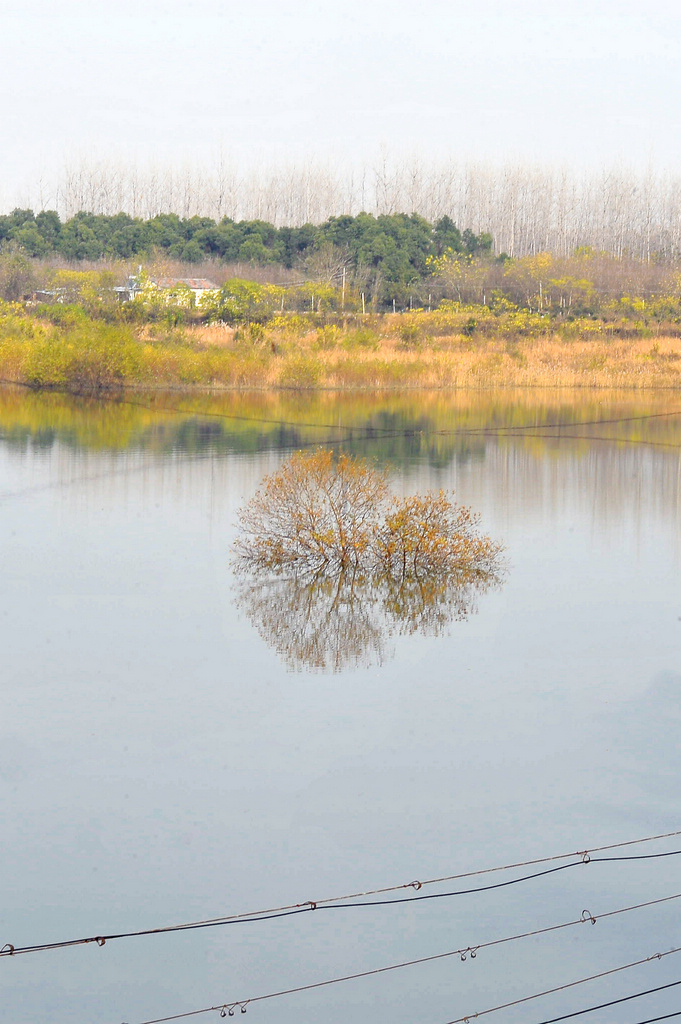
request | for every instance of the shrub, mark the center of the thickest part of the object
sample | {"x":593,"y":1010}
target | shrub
{"x":319,"y":513}
{"x":328,"y":336}
{"x":87,"y":358}
{"x":363,"y":338}
{"x":300,"y":372}
{"x":331,"y":566}
{"x":411,"y":334}
{"x":429,"y":535}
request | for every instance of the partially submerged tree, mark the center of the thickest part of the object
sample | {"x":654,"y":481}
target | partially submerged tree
{"x":323,"y":515}
{"x":315,"y":514}
{"x":431,"y":536}
{"x":330,"y":565}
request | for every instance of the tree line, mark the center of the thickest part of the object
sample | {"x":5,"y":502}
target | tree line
{"x":486,"y":294}
{"x":387,"y":256}
{"x":526,"y":208}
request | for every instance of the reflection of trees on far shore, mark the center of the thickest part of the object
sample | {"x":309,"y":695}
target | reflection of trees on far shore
{"x":330,"y":623}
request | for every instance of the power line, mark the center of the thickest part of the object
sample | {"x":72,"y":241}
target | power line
{"x":179,"y":460}
{"x":498,"y":432}
{"x":666,"y":1016}
{"x":359,"y":434}
{"x":464,"y":953}
{"x":355,"y":434}
{"x":559,"y":988}
{"x":210,"y":414}
{"x":613,"y":1002}
{"x":501,"y":885}
{"x":356,"y":900}
{"x":227,"y":1007}
{"x":563,"y":436}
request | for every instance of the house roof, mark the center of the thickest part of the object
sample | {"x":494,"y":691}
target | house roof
{"x":197,"y":284}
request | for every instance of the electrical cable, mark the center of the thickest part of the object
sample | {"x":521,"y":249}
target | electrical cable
{"x":612,"y":1002}
{"x":581,"y":423}
{"x":587,"y":437}
{"x":209,"y":414}
{"x":463,"y":953}
{"x":665,"y":1016}
{"x":498,"y":432}
{"x":91,"y":478}
{"x":559,"y":988}
{"x":354,"y":439}
{"x":501,"y":885}
{"x":358,"y":434}
{"x":343,"y":902}
{"x":228,"y":1008}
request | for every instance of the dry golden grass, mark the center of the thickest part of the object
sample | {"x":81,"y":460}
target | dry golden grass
{"x":388,"y":352}
{"x":459,"y":361}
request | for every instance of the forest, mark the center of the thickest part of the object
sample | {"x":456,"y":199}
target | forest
{"x":393,"y":252}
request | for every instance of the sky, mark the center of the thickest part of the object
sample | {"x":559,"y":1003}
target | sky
{"x":579,"y":84}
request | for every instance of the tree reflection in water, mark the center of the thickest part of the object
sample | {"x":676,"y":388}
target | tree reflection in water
{"x":332,"y":566}
{"x":329,"y":623}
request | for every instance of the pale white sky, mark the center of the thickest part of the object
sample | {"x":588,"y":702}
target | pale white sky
{"x":581,"y":83}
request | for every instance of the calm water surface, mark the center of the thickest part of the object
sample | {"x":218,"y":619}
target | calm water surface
{"x":163,"y":757}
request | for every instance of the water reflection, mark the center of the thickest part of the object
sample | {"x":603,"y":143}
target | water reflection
{"x":438,"y":427}
{"x":328,"y":624}
{"x":538,"y":444}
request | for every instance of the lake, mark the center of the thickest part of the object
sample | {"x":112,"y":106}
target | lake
{"x":167,"y":753}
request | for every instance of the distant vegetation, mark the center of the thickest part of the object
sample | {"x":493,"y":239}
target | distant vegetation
{"x":388,"y":301}
{"x":347,"y":264}
{"x":387,"y":257}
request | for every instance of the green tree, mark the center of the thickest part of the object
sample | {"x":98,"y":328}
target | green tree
{"x":30,"y":239}
{"x":49,"y":226}
{"x":446,"y":236}
{"x":78,"y":241}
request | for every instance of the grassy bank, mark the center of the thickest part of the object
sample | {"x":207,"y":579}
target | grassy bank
{"x":424,"y":350}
